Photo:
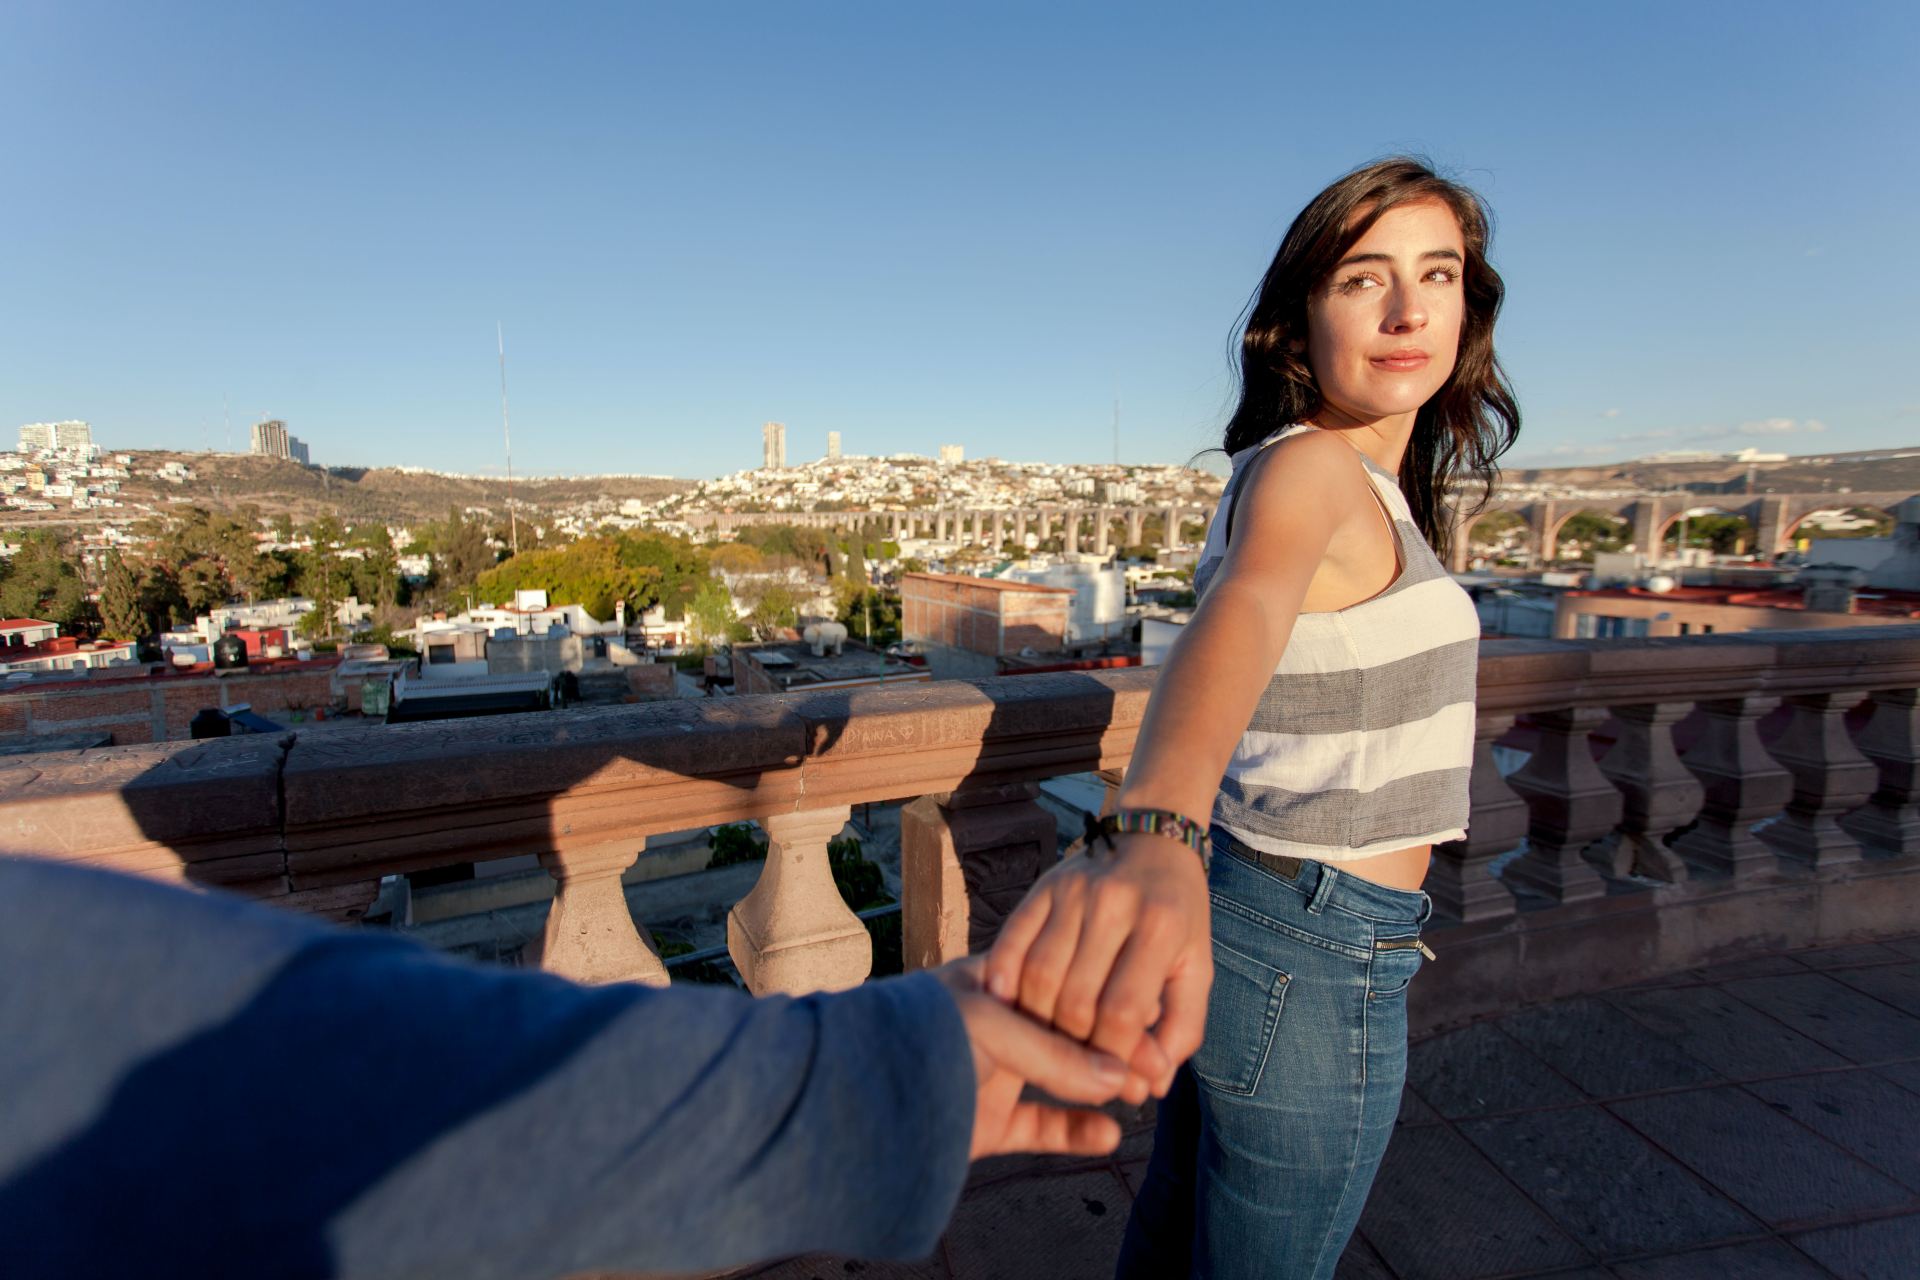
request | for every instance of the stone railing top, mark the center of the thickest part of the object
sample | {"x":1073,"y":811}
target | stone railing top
{"x":1521,"y":675}
{"x":303,"y":814}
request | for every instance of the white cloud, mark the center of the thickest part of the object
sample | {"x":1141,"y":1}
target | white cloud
{"x":1611,"y":413}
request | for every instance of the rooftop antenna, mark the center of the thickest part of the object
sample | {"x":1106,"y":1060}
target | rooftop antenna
{"x":513,"y":522}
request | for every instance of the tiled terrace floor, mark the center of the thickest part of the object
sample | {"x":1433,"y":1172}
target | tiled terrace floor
{"x":1747,"y":1122}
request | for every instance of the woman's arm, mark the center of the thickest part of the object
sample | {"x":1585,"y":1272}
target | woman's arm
{"x":1105,"y":948}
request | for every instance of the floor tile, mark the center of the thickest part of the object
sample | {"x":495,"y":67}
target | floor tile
{"x":1362,"y":1262}
{"x":1415,"y":1111}
{"x":1727,"y":1034}
{"x":1844,"y":1020}
{"x":823,"y":1268}
{"x":1908,"y":947}
{"x":1610,"y":1188}
{"x":1847,"y":957}
{"x":1884,"y":1250}
{"x":1604,"y":1051}
{"x":1755,"y":967}
{"x":1061,"y":1228}
{"x":1478,"y":1070}
{"x":1440,"y":1211}
{"x":1859,"y":1111}
{"x":1763,"y":1160}
{"x":1897,"y":984}
{"x":1755,"y":1260}
{"x":1904,"y":1074}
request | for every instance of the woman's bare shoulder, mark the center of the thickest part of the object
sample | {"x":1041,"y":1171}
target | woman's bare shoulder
{"x":1310,"y":475}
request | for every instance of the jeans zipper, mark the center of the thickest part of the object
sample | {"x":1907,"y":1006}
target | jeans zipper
{"x":1405,"y":944}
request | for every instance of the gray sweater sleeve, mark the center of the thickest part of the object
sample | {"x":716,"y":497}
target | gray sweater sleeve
{"x":191,"y":1085}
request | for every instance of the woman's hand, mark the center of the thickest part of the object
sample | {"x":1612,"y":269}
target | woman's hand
{"x":1010,"y":1051}
{"x":1112,"y":946}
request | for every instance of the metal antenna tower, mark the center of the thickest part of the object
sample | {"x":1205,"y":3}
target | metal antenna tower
{"x":506,"y":429}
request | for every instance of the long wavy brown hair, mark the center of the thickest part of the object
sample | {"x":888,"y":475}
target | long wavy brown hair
{"x":1467,"y":424}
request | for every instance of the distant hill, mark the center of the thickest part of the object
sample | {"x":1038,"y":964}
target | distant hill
{"x":385,"y":494}
{"x":1878,"y":469}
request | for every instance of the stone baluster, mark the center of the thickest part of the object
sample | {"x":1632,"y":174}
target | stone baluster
{"x":1830,"y":778}
{"x":966,"y":860}
{"x":1458,"y":880}
{"x":1890,"y":821}
{"x":794,"y":932}
{"x":1571,"y":804}
{"x":591,"y":935}
{"x":1661,"y":795}
{"x":1743,"y":784}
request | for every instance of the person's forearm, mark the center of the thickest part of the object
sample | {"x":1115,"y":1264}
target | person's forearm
{"x":359,"y":1107}
{"x":1203,"y":699}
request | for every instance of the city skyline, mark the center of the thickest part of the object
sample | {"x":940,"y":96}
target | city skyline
{"x":914,"y":229}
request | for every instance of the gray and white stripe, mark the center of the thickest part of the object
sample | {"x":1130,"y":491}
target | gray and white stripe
{"x":1362,"y":741}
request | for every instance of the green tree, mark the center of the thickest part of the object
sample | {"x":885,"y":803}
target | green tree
{"x":121,"y":614}
{"x":870,"y":614}
{"x":710,"y":614}
{"x":775,"y":607}
{"x":40,"y":581}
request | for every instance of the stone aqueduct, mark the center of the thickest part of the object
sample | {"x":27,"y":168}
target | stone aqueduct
{"x":1774,"y":517}
{"x":989,"y":527}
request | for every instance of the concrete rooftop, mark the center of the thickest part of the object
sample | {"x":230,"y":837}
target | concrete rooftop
{"x":1745,"y":1122}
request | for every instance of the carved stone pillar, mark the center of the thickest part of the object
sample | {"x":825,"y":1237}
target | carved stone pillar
{"x":1890,"y":822}
{"x":1571,"y":805}
{"x":1743,"y":784}
{"x":1070,"y":534}
{"x":966,"y":860}
{"x":1457,"y":879}
{"x":1134,"y":519}
{"x":591,"y":935}
{"x":1170,"y":531}
{"x":794,"y":932}
{"x":999,"y":530}
{"x":1102,"y":526}
{"x":1661,"y":795}
{"x":1830,"y":778}
{"x":1020,"y":529}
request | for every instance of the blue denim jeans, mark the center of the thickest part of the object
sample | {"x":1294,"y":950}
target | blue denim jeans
{"x":1267,"y":1144}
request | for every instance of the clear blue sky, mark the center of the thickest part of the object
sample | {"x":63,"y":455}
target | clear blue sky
{"x":923,"y":223}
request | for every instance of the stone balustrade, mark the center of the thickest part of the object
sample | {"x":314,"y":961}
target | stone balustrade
{"x":1663,"y":776}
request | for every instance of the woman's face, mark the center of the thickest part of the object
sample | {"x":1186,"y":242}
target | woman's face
{"x":1384,"y":330}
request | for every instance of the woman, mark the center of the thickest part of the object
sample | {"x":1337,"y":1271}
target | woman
{"x":1319,"y":708}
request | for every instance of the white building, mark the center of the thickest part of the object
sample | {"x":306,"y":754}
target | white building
{"x":773,"y":445}
{"x":271,"y":440}
{"x":1099,"y":607}
{"x":952,"y":454}
{"x":833,"y":446}
{"x":57,"y":437}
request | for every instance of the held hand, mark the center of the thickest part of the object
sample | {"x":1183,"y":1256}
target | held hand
{"x":1010,"y":1051}
{"x":1107,"y":947}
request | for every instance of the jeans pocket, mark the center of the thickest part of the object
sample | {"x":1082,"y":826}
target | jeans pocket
{"x":1242,"y":1012}
{"x":1395,"y":961}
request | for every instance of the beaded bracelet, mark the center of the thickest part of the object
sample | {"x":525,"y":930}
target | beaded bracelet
{"x":1155,"y":822}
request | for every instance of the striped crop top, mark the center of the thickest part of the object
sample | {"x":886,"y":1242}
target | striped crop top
{"x":1362,"y":741}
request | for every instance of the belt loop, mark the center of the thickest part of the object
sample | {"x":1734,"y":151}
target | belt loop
{"x":1323,"y":890}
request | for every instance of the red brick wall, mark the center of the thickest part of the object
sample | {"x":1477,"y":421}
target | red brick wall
{"x":125,"y":707}
{"x":982,"y":619}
